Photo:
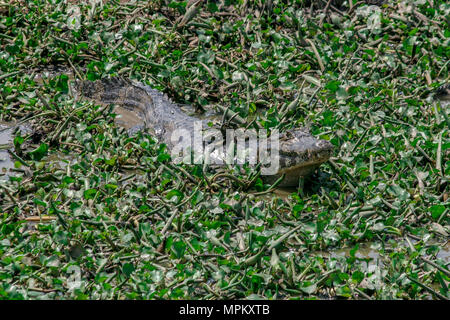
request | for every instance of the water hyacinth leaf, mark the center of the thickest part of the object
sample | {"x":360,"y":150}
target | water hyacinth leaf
{"x":437,"y":211}
{"x":357,"y":276}
{"x":341,"y":93}
{"x":174,"y":193}
{"x":111,"y":186}
{"x":178,"y":248}
{"x":308,"y":287}
{"x":128,"y":269}
{"x":18,"y":140}
{"x":333,"y":86}
{"x":344,"y":291}
{"x":39,"y":153}
{"x":111,"y":162}
{"x":90,"y":193}
{"x":399,"y":192}
{"x":40,"y":202}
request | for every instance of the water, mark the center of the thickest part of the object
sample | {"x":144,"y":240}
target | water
{"x":370,"y":251}
{"x":6,"y":142}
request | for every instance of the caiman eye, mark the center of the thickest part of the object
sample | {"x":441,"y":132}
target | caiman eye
{"x":287,"y":135}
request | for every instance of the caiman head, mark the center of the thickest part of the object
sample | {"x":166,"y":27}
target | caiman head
{"x":300,"y":154}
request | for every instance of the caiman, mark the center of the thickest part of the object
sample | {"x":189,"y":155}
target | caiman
{"x":300,"y":153}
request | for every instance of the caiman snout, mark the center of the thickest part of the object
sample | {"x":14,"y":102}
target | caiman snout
{"x":324,"y":144}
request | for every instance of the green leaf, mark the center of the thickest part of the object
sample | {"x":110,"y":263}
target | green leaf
{"x":178,"y":248}
{"x":437,"y":211}
{"x":40,"y":202}
{"x":308,"y":287}
{"x":175,"y":193}
{"x":18,"y":140}
{"x":40,"y":152}
{"x":128,"y":269}
{"x":333,"y":86}
{"x":357,"y":276}
{"x":90,"y":194}
{"x":397,"y":191}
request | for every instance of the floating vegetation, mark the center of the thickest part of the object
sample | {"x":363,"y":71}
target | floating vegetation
{"x":88,"y":211}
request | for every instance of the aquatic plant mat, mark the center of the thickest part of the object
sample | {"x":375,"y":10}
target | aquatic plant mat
{"x":88,"y":212}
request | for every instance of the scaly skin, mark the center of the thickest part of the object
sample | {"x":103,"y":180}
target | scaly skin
{"x":300,"y":153}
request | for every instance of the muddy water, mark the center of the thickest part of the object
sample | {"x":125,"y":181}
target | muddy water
{"x":6,"y":142}
{"x":370,"y":251}
{"x":444,"y":253}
